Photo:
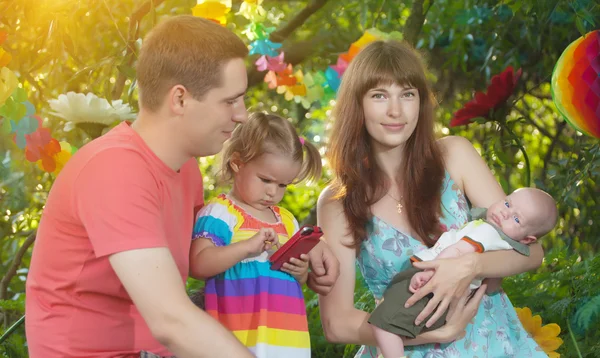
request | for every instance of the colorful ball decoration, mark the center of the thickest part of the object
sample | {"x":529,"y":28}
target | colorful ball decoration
{"x":576,"y":84}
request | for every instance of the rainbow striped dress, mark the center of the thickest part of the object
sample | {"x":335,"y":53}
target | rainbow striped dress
{"x":263,"y":308}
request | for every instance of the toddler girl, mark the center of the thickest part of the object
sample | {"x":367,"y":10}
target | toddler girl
{"x":236,"y":233}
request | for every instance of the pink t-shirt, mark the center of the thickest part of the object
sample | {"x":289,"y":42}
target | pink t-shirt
{"x":114,"y":195}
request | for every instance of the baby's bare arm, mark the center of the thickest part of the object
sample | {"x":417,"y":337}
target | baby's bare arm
{"x":455,"y":250}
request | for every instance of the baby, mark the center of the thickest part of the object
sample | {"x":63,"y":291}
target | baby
{"x":510,"y":224}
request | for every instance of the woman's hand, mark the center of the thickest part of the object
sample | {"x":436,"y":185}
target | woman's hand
{"x":298,"y":268}
{"x":462,"y":312}
{"x":451,"y":279}
{"x":459,"y":316}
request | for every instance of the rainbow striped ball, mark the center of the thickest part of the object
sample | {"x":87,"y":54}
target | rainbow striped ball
{"x":576,"y":84}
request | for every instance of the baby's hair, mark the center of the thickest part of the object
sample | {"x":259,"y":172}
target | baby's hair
{"x":270,"y":133}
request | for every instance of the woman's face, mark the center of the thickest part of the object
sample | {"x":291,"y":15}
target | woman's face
{"x":391,"y":114}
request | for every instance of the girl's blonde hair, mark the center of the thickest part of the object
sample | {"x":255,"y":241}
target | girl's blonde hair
{"x":270,"y":133}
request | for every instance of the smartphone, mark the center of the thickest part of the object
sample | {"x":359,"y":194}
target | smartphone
{"x":301,"y":243}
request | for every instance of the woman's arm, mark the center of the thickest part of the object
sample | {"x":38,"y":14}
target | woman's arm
{"x":452,"y":277}
{"x":476,"y":180}
{"x":341,"y":321}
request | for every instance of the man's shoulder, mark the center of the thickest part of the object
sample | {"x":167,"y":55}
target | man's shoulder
{"x":116,"y":153}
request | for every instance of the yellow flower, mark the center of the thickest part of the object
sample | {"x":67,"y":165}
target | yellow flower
{"x":545,"y":336}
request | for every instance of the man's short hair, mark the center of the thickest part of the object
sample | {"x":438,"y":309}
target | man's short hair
{"x":185,"y":50}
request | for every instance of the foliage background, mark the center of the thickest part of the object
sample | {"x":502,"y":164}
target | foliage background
{"x":90,"y":46}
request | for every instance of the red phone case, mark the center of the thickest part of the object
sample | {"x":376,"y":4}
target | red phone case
{"x":301,"y":243}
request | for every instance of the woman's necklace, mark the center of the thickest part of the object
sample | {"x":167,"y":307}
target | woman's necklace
{"x":399,"y":206}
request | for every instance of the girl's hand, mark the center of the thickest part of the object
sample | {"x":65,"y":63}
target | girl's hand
{"x":451,"y":279}
{"x":260,"y":242}
{"x":297,"y":268}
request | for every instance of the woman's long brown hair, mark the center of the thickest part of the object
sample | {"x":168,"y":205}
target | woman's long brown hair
{"x":359,"y":181}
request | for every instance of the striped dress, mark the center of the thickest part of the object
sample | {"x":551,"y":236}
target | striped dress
{"x":263,"y":308}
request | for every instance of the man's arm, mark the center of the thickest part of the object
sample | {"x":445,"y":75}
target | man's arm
{"x":325,"y":269}
{"x":119,"y":205}
{"x":152,"y":280}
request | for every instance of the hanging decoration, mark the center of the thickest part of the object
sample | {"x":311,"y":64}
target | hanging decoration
{"x":576,"y":84}
{"x":306,"y":88}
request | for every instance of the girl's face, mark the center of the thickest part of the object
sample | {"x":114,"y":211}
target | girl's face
{"x":262,"y":182}
{"x":391,"y":114}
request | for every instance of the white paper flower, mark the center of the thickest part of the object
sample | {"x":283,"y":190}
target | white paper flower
{"x":88,"y":108}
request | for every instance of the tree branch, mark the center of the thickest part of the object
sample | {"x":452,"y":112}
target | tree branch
{"x":378,"y":13}
{"x":132,"y":36}
{"x":555,"y":140}
{"x":14,"y":266}
{"x":281,"y":34}
{"x":533,"y":122}
{"x":294,"y":53}
{"x":414,"y":24}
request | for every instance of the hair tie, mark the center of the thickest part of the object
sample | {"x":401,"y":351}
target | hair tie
{"x":301,"y":140}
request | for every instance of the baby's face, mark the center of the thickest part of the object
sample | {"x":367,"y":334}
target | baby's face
{"x":517,"y":215}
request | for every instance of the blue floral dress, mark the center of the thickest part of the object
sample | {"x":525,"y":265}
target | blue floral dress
{"x":495,"y":331}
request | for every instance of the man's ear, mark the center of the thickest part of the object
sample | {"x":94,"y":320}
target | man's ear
{"x":529,"y":240}
{"x":175,"y":99}
{"x":235,"y":162}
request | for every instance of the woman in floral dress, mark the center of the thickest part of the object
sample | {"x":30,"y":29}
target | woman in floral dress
{"x":396,"y":189}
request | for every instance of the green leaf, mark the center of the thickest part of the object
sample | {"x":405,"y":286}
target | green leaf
{"x":580,"y":26}
{"x":68,"y":42}
{"x":480,"y":120}
{"x":128,"y":71}
{"x":588,"y":313}
{"x":587,"y":16}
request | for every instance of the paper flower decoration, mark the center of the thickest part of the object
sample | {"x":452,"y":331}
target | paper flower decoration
{"x":275,"y":64}
{"x":16,"y":106}
{"x":314,"y":86}
{"x":498,"y":92}
{"x":257,"y":31}
{"x":576,"y":84}
{"x":340,"y":66}
{"x":36,"y":141}
{"x":8,"y":83}
{"x":5,"y":57}
{"x":88,"y":108}
{"x":264,"y":47}
{"x":56,"y":162}
{"x":545,"y":336}
{"x":283,"y":78}
{"x":333,"y":78}
{"x":252,"y":10}
{"x":22,"y":128}
{"x":213,"y":10}
{"x":294,"y":90}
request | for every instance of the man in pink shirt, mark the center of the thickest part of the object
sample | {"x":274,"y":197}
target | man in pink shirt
{"x":108,"y":271}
